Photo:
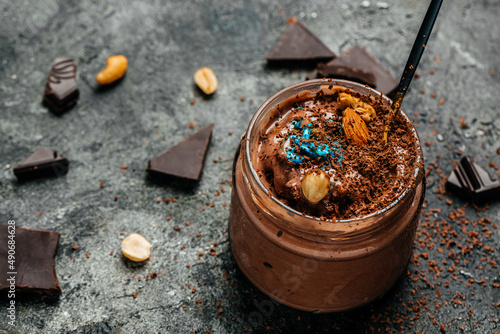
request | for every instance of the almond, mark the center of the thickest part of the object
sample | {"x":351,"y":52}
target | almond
{"x":364,"y":109}
{"x":354,"y":127}
{"x":315,"y":186}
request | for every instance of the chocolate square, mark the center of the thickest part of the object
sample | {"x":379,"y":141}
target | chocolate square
{"x":343,"y":72}
{"x":61,"y":92}
{"x":472,"y":182}
{"x":33,"y":268}
{"x":358,"y":58}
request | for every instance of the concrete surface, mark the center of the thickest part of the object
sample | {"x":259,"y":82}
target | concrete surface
{"x":150,"y":110}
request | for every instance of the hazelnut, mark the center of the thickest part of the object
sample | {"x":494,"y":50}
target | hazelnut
{"x":136,"y":248}
{"x":315,"y":185}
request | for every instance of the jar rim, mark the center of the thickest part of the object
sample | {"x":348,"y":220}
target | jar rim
{"x":345,"y":83}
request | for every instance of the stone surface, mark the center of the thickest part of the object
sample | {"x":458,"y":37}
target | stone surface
{"x":149,"y":111}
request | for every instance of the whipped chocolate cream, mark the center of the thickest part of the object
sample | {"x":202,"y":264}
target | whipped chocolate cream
{"x":308,"y":135}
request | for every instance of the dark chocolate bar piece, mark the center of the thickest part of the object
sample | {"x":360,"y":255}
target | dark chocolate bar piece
{"x":32,"y":267}
{"x":472,"y":182}
{"x":61,"y":91}
{"x":43,"y":162}
{"x":298,"y":44}
{"x":343,"y":72}
{"x":186,"y":159}
{"x":357,"y":57}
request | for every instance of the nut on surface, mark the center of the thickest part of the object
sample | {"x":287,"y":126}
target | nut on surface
{"x":136,"y":248}
{"x":354,"y":127}
{"x":206,"y":80}
{"x":315,"y":186}
{"x":116,"y":67}
{"x":365,"y":110}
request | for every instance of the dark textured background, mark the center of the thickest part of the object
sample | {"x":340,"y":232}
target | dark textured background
{"x":150,"y":110}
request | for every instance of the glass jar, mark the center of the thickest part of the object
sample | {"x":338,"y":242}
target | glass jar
{"x":308,"y":263}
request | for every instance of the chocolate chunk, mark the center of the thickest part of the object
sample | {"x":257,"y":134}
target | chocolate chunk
{"x":33,"y":266}
{"x":343,"y":72}
{"x":61,"y":92}
{"x":184,"y":160}
{"x":43,"y":162}
{"x":472,"y":182}
{"x":298,"y":44}
{"x":357,"y":57}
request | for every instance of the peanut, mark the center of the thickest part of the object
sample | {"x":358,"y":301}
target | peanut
{"x":315,"y":186}
{"x":116,"y":66}
{"x":206,"y":80}
{"x":136,"y":248}
{"x":364,"y":109}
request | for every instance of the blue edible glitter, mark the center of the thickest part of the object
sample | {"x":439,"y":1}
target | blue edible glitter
{"x":309,"y":149}
{"x":297,"y":124}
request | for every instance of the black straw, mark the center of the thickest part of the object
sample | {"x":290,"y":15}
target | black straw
{"x":414,"y":58}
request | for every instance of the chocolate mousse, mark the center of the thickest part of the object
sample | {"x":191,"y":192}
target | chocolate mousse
{"x":323,"y":213}
{"x":324,"y":155}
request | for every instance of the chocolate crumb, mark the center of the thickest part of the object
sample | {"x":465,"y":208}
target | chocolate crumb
{"x":463,"y":124}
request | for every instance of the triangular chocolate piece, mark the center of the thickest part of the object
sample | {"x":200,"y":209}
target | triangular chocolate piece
{"x":34,"y":269}
{"x":472,"y":182}
{"x":343,"y":72}
{"x":61,"y":92}
{"x":298,"y":44}
{"x":184,"y":160}
{"x":357,"y":57}
{"x":43,"y":162}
